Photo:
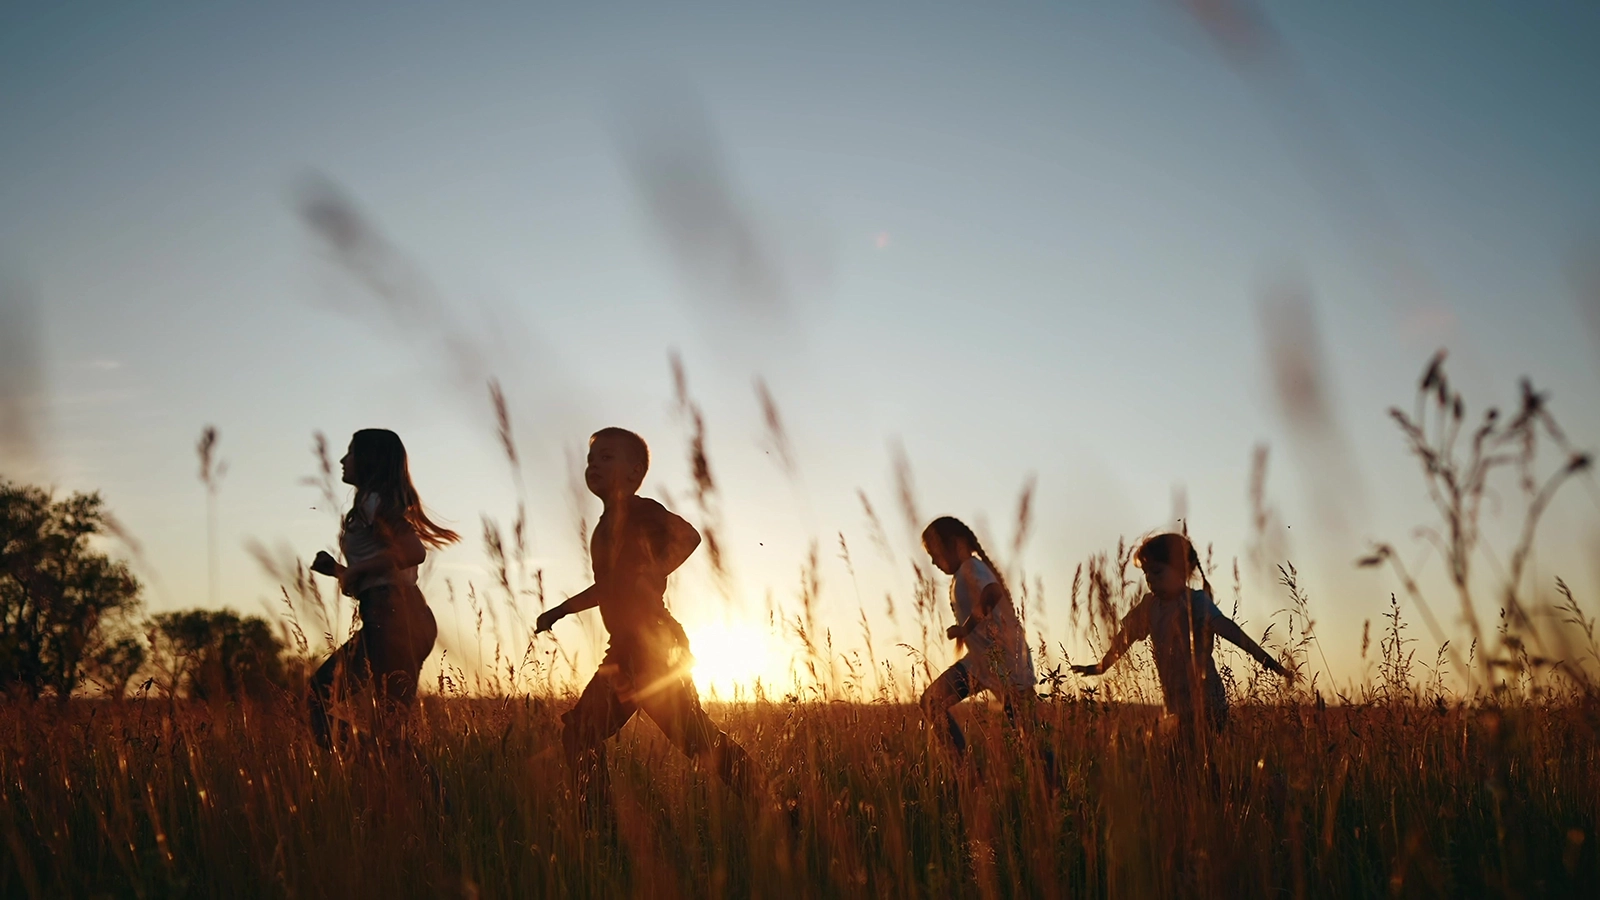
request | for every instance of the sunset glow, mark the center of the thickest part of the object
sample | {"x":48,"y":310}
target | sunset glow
{"x":730,"y":656}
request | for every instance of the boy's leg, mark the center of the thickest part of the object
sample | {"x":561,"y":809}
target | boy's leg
{"x":950,"y":688}
{"x":585,"y":728}
{"x":674,"y":705}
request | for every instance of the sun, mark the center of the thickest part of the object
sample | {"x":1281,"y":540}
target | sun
{"x":730,"y":656}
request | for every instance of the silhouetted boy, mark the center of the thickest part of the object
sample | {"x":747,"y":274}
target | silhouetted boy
{"x":636,"y":544}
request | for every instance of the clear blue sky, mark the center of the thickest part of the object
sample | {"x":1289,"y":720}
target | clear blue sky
{"x":1020,"y":239}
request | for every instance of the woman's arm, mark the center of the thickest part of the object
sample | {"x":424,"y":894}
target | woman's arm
{"x":404,"y":550}
{"x":1229,"y":630}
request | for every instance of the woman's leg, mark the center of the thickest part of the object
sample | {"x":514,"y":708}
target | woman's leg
{"x":950,"y":688}
{"x":400,"y":631}
{"x":343,"y":674}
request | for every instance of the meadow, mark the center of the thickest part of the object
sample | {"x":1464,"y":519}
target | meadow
{"x":144,"y":799}
{"x":1475,"y":774}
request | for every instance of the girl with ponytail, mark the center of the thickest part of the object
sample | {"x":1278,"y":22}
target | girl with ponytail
{"x":384,"y":538}
{"x":997,"y":657}
{"x":1182,"y":625}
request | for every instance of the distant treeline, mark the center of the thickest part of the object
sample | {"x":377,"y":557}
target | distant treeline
{"x":71,"y":617}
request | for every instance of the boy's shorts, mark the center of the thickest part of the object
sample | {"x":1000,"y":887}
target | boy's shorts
{"x":632,"y":678}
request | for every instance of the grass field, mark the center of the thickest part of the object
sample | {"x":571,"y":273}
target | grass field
{"x":144,"y":799}
{"x":1401,"y":785}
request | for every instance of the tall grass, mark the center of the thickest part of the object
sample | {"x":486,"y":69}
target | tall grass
{"x":1473,"y":777}
{"x":135,"y":799}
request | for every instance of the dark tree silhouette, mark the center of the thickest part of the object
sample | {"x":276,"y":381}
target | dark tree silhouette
{"x":59,"y":596}
{"x":217,"y":654}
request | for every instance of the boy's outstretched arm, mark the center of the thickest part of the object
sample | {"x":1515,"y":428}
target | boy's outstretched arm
{"x":588,"y":598}
{"x":1229,"y":630}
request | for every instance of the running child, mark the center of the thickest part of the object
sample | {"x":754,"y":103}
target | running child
{"x":1182,"y":625}
{"x":384,"y":538}
{"x":636,"y":544}
{"x":997,"y":657}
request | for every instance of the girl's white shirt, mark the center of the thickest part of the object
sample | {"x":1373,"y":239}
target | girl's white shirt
{"x":997,"y":649}
{"x":361,"y":541}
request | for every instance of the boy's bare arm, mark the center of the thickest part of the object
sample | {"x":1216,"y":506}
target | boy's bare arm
{"x":588,"y":598}
{"x":1229,"y":630}
{"x":682,"y":541}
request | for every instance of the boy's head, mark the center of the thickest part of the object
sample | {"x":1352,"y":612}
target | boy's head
{"x":618,"y":459}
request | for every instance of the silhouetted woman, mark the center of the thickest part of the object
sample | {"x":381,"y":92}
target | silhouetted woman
{"x":384,"y":538}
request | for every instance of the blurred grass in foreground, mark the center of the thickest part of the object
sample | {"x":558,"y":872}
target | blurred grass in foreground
{"x":144,"y":799}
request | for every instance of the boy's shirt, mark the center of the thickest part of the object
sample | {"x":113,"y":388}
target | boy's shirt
{"x":627,"y":548}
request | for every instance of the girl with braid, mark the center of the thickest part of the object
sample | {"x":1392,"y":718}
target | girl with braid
{"x":1182,"y":625}
{"x":997,"y":657}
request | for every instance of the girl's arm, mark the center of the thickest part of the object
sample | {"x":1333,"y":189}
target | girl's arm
{"x":1229,"y":630}
{"x":987,"y":601}
{"x":1135,"y":628}
{"x":1124,"y":639}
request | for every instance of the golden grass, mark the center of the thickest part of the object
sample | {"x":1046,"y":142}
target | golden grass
{"x":140,"y":798}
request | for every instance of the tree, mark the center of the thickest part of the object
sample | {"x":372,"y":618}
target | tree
{"x":57,"y":594}
{"x":217,"y":654}
{"x":114,"y":663}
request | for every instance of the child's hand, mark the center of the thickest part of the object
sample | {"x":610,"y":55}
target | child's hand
{"x":324,"y":564}
{"x":547,"y":619}
{"x":1090,"y":669}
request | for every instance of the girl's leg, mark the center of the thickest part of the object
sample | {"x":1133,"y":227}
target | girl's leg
{"x":950,"y":688}
{"x":1022,"y":714}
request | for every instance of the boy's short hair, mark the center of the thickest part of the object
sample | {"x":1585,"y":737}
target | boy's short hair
{"x":634,"y":444}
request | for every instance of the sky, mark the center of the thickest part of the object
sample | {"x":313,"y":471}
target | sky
{"x":1018,"y":241}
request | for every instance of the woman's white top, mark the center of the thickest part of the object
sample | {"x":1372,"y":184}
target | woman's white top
{"x":363,"y":539}
{"x":997,"y":649}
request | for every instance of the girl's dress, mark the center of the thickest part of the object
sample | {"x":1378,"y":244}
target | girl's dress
{"x":1181,"y":640}
{"x":997,"y":656}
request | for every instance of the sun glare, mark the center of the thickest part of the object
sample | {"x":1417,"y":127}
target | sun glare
{"x":730,"y":656}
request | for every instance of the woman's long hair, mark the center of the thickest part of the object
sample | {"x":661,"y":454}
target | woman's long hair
{"x":378,"y":461}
